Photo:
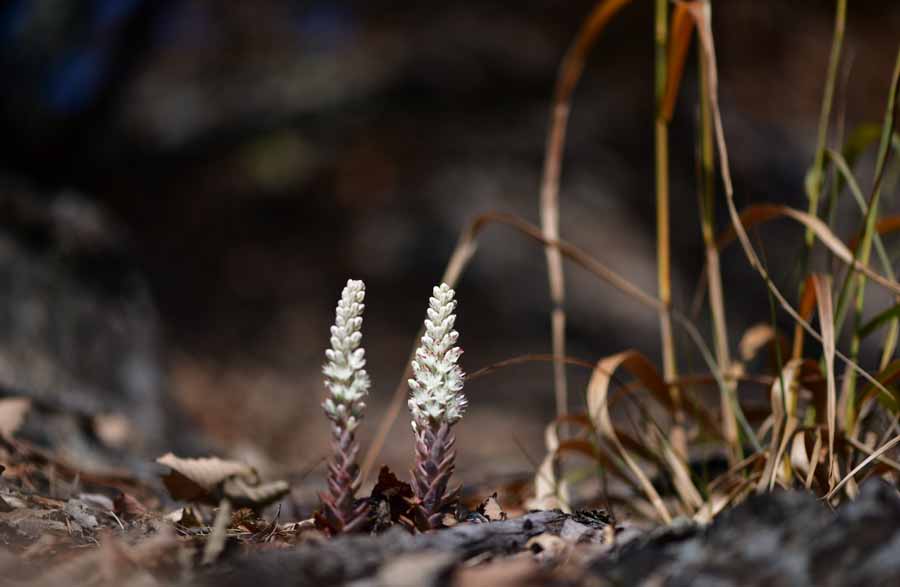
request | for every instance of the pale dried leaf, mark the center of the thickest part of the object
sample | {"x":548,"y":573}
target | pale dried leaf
{"x":822,"y":284}
{"x":490,"y":509}
{"x":799,"y":458}
{"x":755,"y":337}
{"x":197,"y":479}
{"x":12,"y":414}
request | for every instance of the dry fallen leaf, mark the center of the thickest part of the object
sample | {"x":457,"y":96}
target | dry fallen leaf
{"x":12,"y":413}
{"x":197,"y":479}
{"x":208,"y":480}
{"x":490,"y":509}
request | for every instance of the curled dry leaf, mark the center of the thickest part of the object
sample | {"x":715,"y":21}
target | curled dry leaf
{"x":598,"y":407}
{"x":208,"y":480}
{"x":549,"y":492}
{"x":391,"y":500}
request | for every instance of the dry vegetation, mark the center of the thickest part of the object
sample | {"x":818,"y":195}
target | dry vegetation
{"x":831,"y":421}
{"x":647,"y":435}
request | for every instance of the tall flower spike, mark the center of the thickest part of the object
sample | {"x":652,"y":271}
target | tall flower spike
{"x":436,"y":403}
{"x":348,"y":384}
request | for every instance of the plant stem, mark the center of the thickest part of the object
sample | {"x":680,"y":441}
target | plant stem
{"x":814,"y":178}
{"x":707,"y":200}
{"x":863,"y":251}
{"x":435,"y":461}
{"x":663,"y":246}
{"x":343,"y":483}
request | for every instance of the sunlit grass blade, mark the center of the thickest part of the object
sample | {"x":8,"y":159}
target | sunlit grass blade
{"x":761,"y":213}
{"x":822,"y":284}
{"x":861,"y":253}
{"x":663,"y":228}
{"x":708,"y":47}
{"x":890,"y":343}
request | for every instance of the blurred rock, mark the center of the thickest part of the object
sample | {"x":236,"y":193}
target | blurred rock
{"x":79,"y":334}
{"x":783,"y":538}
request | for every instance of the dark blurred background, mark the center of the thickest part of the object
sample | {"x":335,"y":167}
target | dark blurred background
{"x":224,"y":167}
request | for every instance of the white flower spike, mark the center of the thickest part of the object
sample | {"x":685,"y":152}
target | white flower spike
{"x":436,"y":391}
{"x":345,"y":374}
{"x":348,"y":384}
{"x":436,"y":403}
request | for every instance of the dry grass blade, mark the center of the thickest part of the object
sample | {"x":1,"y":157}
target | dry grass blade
{"x":701,"y":16}
{"x":761,"y":213}
{"x":529,"y":358}
{"x":814,"y":178}
{"x":789,"y":429}
{"x":814,"y":462}
{"x":863,"y":448}
{"x":570,"y":72}
{"x":681,"y":475}
{"x":663,"y":224}
{"x":679,"y":43}
{"x":875,"y":455}
{"x":598,"y":408}
{"x":890,"y":341}
{"x":822,"y":284}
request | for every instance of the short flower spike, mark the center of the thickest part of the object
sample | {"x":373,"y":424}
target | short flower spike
{"x":436,"y":403}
